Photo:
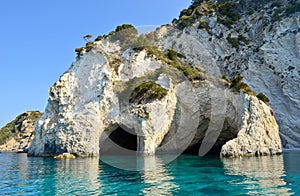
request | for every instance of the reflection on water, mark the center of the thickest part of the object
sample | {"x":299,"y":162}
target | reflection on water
{"x":78,"y":174}
{"x":151,"y":177}
{"x":266,"y":173}
{"x":156,"y":177}
{"x":292,"y":168}
{"x":187,"y":175}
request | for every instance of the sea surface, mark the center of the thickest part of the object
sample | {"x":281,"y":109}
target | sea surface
{"x":187,"y":175}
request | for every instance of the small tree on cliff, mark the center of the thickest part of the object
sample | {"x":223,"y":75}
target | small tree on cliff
{"x":87,"y":37}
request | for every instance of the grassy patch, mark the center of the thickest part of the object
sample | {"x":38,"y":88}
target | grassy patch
{"x":170,"y":57}
{"x":234,"y":42}
{"x":190,"y":72}
{"x":227,"y":13}
{"x":147,"y":92}
{"x":203,"y":24}
{"x":238,"y":84}
{"x":229,"y":10}
{"x":263,"y":97}
{"x":184,"y":22}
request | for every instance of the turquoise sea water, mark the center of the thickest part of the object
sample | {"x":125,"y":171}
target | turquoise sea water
{"x":187,"y":175}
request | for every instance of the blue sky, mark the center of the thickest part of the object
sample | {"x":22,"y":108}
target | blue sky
{"x":38,"y":38}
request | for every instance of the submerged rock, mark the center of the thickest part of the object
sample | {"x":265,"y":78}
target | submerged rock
{"x":65,"y":156}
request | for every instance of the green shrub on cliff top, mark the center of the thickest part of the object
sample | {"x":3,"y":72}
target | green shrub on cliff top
{"x":126,"y":26}
{"x":125,"y":33}
{"x":88,"y":47}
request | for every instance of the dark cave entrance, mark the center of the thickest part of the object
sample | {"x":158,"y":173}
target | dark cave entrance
{"x":228,"y":133}
{"x":119,"y":141}
{"x":194,"y":149}
{"x":124,"y":139}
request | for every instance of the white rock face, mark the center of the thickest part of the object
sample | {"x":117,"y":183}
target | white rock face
{"x":83,"y":104}
{"x":72,"y":118}
{"x":258,"y":134}
{"x":89,"y":111}
{"x":132,"y":68}
{"x":268,"y":57}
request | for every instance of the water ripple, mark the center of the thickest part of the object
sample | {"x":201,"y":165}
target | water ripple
{"x":187,"y":175}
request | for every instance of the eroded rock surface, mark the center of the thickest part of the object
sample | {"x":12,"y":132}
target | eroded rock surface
{"x":258,"y":134}
{"x":89,"y":110}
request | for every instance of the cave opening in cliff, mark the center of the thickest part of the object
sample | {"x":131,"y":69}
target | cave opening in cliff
{"x":194,"y":149}
{"x":228,"y":133}
{"x":119,"y":141}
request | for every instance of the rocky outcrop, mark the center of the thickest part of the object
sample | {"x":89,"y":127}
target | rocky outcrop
{"x":17,"y":135}
{"x":258,"y":134}
{"x":261,"y":44}
{"x":65,"y":156}
{"x":104,"y":103}
{"x":147,"y":104}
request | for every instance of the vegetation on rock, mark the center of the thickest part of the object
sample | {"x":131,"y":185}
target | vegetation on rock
{"x":79,"y":50}
{"x":238,"y":84}
{"x":99,"y":37}
{"x":13,"y":128}
{"x":87,"y":37}
{"x":263,"y":97}
{"x":170,"y":57}
{"x":293,"y":7}
{"x":88,"y":47}
{"x":125,"y":33}
{"x":203,"y":24}
{"x":147,"y":92}
{"x":234,"y":42}
{"x":115,"y":64}
{"x":229,"y":12}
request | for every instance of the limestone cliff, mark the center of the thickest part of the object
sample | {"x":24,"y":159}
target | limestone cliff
{"x":142,"y":100}
{"x":258,"y":134}
{"x":162,"y":92}
{"x":256,"y":39}
{"x":18,"y":134}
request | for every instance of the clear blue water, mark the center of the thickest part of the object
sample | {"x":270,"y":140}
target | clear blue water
{"x":187,"y":175}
